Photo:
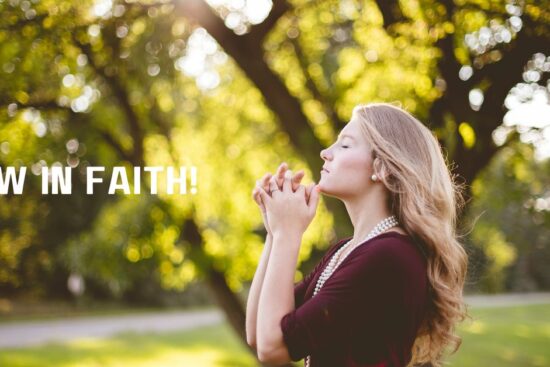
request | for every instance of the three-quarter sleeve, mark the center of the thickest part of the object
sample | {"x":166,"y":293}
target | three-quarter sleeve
{"x":300,"y":288}
{"x":352,"y":296}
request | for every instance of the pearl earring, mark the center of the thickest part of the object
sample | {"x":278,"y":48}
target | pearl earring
{"x":374,"y":178}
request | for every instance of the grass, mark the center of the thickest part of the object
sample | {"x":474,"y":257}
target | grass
{"x":504,"y":337}
{"x":507,"y":336}
{"x":206,"y":346}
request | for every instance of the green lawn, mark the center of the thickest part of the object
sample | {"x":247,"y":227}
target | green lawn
{"x":511,"y":336}
{"x":508,"y":336}
{"x":207,"y":346}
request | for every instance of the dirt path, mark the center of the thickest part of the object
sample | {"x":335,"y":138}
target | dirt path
{"x":509,"y":299}
{"x":32,"y":333}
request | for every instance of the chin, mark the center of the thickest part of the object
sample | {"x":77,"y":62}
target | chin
{"x":326,"y":191}
{"x":339,"y":192}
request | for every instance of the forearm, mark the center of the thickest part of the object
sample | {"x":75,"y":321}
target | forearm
{"x":254,"y":293}
{"x":277,"y":295}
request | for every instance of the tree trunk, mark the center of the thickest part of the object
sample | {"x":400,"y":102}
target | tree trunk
{"x":228,"y":301}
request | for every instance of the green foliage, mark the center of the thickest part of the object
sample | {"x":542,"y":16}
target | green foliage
{"x":76,"y":78}
{"x":512,"y":221}
{"x":115,"y":83}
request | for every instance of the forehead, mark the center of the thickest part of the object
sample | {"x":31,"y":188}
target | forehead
{"x":351,"y":130}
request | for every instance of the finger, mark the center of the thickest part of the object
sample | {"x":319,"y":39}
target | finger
{"x":273,"y":186}
{"x":255,"y":193}
{"x":287,"y":185}
{"x":281,"y":170}
{"x":314,"y":199}
{"x":258,"y":183}
{"x":266,"y":199}
{"x":265,"y":181}
{"x":256,"y":196}
{"x":272,"y":181}
{"x":296,"y":179}
{"x":280,"y":175}
{"x":300,"y":191}
{"x":309,"y":188}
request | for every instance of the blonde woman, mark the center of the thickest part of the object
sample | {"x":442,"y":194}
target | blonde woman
{"x":391,"y":294}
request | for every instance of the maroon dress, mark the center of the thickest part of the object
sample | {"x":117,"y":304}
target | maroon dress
{"x":367,"y":313}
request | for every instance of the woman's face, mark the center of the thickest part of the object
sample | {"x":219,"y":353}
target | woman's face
{"x":348,"y":165}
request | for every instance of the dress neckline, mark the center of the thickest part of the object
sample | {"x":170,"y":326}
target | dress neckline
{"x":381,"y":235}
{"x":330,"y":253}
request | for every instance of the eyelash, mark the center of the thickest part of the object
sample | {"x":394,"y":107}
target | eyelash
{"x":344,"y":146}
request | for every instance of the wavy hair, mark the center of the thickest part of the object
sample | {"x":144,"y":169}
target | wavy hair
{"x":426,"y":201}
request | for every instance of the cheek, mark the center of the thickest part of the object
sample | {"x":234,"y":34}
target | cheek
{"x":355,"y":161}
{"x":355,"y":167}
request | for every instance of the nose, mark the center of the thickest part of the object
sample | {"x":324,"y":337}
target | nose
{"x":324,"y":154}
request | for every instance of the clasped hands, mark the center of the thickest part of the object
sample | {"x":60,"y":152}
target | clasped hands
{"x":286,"y":205}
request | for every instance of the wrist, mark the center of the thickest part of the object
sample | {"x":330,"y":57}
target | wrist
{"x":288,"y":236}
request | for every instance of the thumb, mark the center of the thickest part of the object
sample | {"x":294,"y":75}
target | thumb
{"x":309,"y":189}
{"x":295,"y":181}
{"x":314,"y":198}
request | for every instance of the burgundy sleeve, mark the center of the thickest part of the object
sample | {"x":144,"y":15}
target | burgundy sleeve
{"x":354,"y":294}
{"x":301,"y":287}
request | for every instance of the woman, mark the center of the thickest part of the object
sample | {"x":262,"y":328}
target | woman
{"x":391,"y":294}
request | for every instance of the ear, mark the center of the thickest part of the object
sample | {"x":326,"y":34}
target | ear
{"x":379,"y":168}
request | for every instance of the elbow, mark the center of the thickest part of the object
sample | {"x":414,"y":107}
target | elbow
{"x":250,"y":334}
{"x":251,"y":339}
{"x":271,"y":348}
{"x":251,"y":342}
{"x":264,"y":351}
{"x":265,"y":356}
{"x":272,"y":357}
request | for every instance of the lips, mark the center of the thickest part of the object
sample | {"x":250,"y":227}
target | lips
{"x":325,"y":170}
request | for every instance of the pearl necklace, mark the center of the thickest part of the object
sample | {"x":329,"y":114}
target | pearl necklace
{"x":335,"y":260}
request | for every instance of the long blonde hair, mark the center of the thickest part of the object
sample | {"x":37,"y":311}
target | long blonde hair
{"x":426,"y":201}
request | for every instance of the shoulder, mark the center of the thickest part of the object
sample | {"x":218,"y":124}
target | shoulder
{"x":394,"y":244}
{"x":391,"y":244}
{"x":390,"y":252}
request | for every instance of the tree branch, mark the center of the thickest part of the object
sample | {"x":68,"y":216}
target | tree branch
{"x":328,"y":108}
{"x":259,"y":31}
{"x":42,"y":104}
{"x":109,"y":139}
{"x":391,"y":12}
{"x":250,"y":57}
{"x":123,"y":99}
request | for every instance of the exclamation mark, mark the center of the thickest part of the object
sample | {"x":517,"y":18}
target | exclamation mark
{"x":193,"y":180}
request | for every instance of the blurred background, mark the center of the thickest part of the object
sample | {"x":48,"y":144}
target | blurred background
{"x":234,"y":88}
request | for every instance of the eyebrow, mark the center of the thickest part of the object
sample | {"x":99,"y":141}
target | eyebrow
{"x":345,"y":136}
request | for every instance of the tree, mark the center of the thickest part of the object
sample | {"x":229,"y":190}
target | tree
{"x":117,"y":80}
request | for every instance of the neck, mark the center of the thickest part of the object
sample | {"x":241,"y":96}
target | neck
{"x":366,"y":211}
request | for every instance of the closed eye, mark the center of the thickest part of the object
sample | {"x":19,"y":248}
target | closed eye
{"x":344,"y":146}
